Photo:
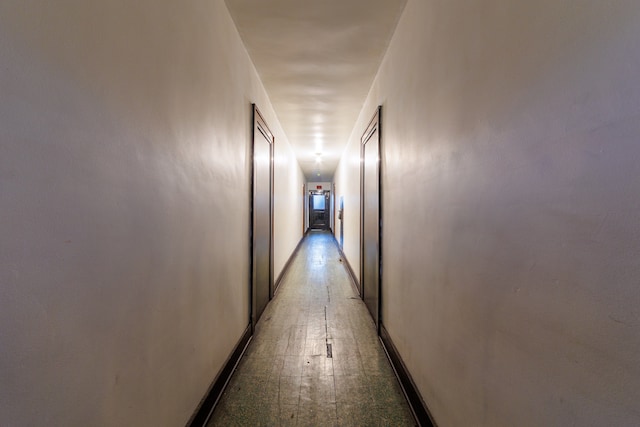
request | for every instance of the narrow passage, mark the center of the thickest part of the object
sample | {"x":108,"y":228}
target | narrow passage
{"x":315,"y":358}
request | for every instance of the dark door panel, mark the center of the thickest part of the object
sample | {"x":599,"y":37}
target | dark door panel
{"x":262,"y":221}
{"x":319,"y":210}
{"x":370,"y":220}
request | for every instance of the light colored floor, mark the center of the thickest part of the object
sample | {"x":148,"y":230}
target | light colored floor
{"x":286,"y":377}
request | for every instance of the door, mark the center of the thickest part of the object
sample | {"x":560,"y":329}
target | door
{"x":262,"y":217}
{"x":319,"y":210}
{"x":304,"y":209}
{"x":370,"y":218}
{"x":341,"y":219}
{"x":332,"y":207}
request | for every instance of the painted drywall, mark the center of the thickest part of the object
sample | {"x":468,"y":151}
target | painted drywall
{"x":288,"y":203}
{"x":312,"y":185}
{"x":347,"y":188}
{"x":511,"y":216}
{"x":124,"y":189}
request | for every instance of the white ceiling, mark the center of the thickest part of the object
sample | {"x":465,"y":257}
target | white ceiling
{"x":317,"y":60}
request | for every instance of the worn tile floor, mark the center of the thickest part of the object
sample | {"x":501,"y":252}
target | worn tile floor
{"x":286,"y":378}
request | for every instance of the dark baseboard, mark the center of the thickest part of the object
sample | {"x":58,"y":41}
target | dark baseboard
{"x":205,"y":409}
{"x":345,"y":261}
{"x":288,"y":263}
{"x":418,"y":407}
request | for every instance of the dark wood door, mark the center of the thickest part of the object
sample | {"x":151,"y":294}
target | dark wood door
{"x":370,"y":219}
{"x":262,"y":217}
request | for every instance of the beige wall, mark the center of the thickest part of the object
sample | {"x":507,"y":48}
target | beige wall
{"x":124,"y":191}
{"x":288,"y":202}
{"x":311,"y":185}
{"x":511,"y":208}
{"x":347,"y":185}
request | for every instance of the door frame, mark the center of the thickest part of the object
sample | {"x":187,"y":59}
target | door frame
{"x":258,"y":122}
{"x":373,"y":126}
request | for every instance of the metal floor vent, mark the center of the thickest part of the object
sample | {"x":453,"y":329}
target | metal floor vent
{"x":329,"y":351}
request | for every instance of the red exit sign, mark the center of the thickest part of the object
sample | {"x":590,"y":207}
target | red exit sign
{"x":318,"y":187}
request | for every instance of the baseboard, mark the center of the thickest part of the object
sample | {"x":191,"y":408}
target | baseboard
{"x":205,"y":408}
{"x":345,"y":261}
{"x":288,"y":263}
{"x":418,"y":407}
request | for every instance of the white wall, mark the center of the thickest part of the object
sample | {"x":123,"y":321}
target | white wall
{"x":311,"y":185}
{"x":124,"y":191}
{"x":288,"y":204}
{"x":347,"y":185}
{"x":511,"y":209}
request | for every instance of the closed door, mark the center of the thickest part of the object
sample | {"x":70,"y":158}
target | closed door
{"x":341,"y":219}
{"x":370,"y":219}
{"x":262,"y":217}
{"x":319,"y":210}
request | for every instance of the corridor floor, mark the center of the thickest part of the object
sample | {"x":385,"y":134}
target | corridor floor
{"x":287,"y":376}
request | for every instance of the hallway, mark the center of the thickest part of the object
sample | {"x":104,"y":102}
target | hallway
{"x":287,"y":377}
{"x":149,"y":150}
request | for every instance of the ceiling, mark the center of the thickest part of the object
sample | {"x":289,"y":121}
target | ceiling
{"x":317,"y":60}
